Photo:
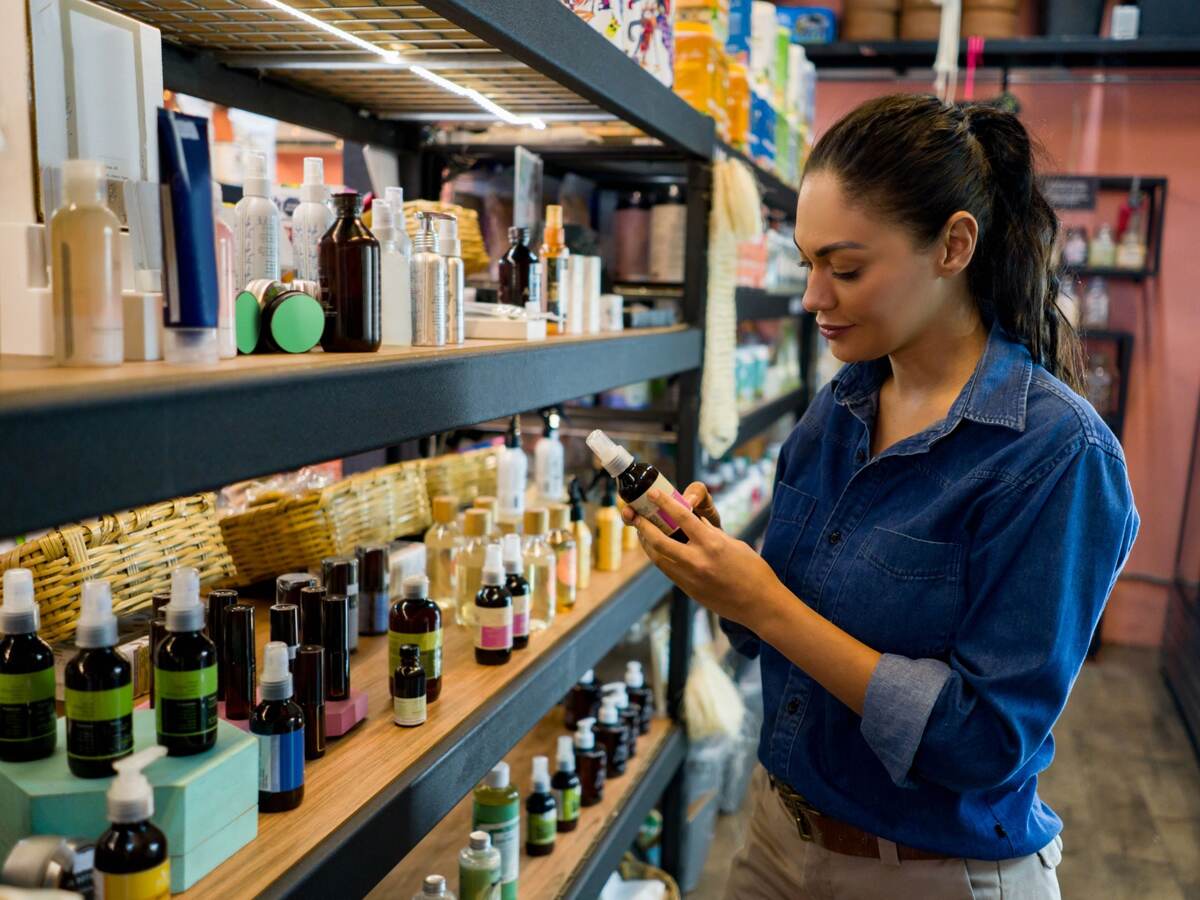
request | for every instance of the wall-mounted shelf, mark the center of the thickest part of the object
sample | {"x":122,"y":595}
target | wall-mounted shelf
{"x":756,"y":303}
{"x":1110,"y":272}
{"x":758,"y":418}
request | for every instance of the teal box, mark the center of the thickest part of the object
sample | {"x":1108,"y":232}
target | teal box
{"x":206,"y":805}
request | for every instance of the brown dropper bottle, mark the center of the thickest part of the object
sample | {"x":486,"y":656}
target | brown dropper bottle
{"x":349,"y":268}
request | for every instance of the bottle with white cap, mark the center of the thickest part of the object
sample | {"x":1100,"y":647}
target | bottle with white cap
{"x":27,"y":719}
{"x":395,"y":280}
{"x":565,"y":785}
{"x":631,"y":716}
{"x":434,"y":888}
{"x":493,"y":613}
{"x":278,"y":723}
{"x":639,"y":694}
{"x":310,"y":219}
{"x":635,"y":480}
{"x":451,"y":248}
{"x":479,"y":867}
{"x":99,"y":689}
{"x":257,"y":229}
{"x":415,"y":619}
{"x":85,"y":271}
{"x":131,"y":858}
{"x":591,"y":762}
{"x":518,"y":588}
{"x":497,"y":810}
{"x":427,"y":270}
{"x":185,"y":672}
{"x":541,"y":819}
{"x":613,"y":735}
{"x":227,"y":287}
{"x":394,"y":196}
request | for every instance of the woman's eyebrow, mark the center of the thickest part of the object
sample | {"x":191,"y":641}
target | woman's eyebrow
{"x":830,"y":248}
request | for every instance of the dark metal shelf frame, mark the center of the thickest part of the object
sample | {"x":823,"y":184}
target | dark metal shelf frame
{"x":759,"y":418}
{"x":755,"y":303}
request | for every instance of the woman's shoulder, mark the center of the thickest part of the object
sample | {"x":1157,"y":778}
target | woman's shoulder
{"x":1061,"y":420}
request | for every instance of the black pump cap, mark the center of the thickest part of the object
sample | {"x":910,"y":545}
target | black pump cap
{"x":373,"y":567}
{"x":347,"y":203}
{"x":410,"y":653}
{"x":309,"y":674}
{"x":513,"y":438}
{"x":312,"y":615}
{"x":576,"y":493}
{"x":285,"y":623}
{"x":518,"y":234}
{"x":610,"y":491}
{"x":158,"y":601}
{"x":339,"y":573}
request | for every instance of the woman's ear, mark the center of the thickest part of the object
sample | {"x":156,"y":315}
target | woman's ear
{"x":956,"y":245}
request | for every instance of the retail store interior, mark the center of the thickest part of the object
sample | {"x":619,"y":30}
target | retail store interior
{"x":335,"y":338}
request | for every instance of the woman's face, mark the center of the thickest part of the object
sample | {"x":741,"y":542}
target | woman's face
{"x":871,"y":288}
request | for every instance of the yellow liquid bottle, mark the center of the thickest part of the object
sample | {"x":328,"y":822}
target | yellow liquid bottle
{"x":609,"y":530}
{"x":566,"y":564}
{"x":442,"y":542}
{"x":468,"y":569}
{"x":492,"y":505}
{"x":583,"y":538}
{"x":540,"y":571}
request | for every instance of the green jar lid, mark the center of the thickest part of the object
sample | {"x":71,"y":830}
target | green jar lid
{"x":295,"y":321}
{"x":247,"y":320}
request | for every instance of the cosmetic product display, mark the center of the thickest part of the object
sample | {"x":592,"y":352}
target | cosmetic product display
{"x":609,"y":527}
{"x":278,"y":723}
{"x":309,"y":669}
{"x":548,"y":461}
{"x":348,"y":259}
{"x":479,"y":868}
{"x":225,"y":245}
{"x":1075,"y":247}
{"x":631,"y":716}
{"x":185,"y":672}
{"x":257,"y":228}
{"x":554,"y":255}
{"x":591,"y":763}
{"x":131,"y":859}
{"x":285,"y":628}
{"x":219,"y":600}
{"x":634,"y":480}
{"x":442,"y":542}
{"x":416,"y":620}
{"x":1096,"y":305}
{"x":518,"y":588}
{"x":28,"y":723}
{"x":541,"y":811}
{"x":512,"y":471}
{"x":540,"y":569}
{"x":565,"y":786}
{"x":434,"y":888}
{"x":566,"y":566}
{"x":639,"y":694}
{"x":337,"y":647}
{"x":374,"y":591}
{"x":240,"y":663}
{"x":613,"y":735}
{"x":582,"y":535}
{"x":312,"y":613}
{"x":339,"y":575}
{"x":311,"y":219}
{"x":668,"y":225}
{"x":408,"y":688}
{"x":468,"y":565}
{"x":451,"y":248}
{"x":429,"y":287}
{"x":520,"y":271}
{"x":99,"y":689}
{"x":85,"y":271}
{"x":493,"y":613}
{"x":496,"y":809}
{"x":583,"y":700}
{"x":395,"y":279}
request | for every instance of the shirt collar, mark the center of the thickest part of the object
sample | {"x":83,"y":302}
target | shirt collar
{"x":996,"y":393}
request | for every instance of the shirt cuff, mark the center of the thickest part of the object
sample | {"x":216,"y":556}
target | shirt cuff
{"x":900,"y":698}
{"x":744,"y":640}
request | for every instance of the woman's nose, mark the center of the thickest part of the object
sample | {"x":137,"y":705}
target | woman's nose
{"x":818,"y":295}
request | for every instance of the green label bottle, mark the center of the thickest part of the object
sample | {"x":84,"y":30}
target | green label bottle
{"x":99,"y":689}
{"x":541,"y":811}
{"x":479,"y":869}
{"x":185,"y":672}
{"x":28,"y":726}
{"x":497,"y":811}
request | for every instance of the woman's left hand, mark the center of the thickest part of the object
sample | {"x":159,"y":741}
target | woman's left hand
{"x":717,"y":570}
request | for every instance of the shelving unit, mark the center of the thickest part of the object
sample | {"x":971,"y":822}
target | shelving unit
{"x":755,"y":303}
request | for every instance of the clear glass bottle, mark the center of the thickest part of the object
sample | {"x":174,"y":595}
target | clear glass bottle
{"x":492,"y":505}
{"x":566,"y":565}
{"x":434,"y":888}
{"x":540,"y":569}
{"x":1103,"y":250}
{"x":85,"y":271}
{"x":479,"y":868}
{"x":348,"y":259}
{"x":468,"y":563}
{"x":1095,"y":305}
{"x":442,"y":542}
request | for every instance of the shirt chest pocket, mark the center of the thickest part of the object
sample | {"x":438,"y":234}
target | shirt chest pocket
{"x":901,"y":594}
{"x":790,"y":512}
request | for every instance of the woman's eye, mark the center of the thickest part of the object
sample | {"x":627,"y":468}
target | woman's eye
{"x":847,"y":276}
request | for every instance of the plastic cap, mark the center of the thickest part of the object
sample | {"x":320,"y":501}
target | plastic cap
{"x":498,"y":777}
{"x":514,"y":564}
{"x":609,"y":714}
{"x":381,"y":215}
{"x":18,"y":615}
{"x":540,"y":775}
{"x":131,"y":798}
{"x":448,"y":242}
{"x":254,"y":184}
{"x":434,"y":886}
{"x":616,"y":690}
{"x":565,"y":757}
{"x":276,"y":680}
{"x":184,"y":612}
{"x":97,"y":626}
{"x":83,"y":181}
{"x":493,"y":568}
{"x":589,"y":677}
{"x":537,"y":520}
{"x":394,"y":197}
{"x":553,"y":231}
{"x":634,"y":677}
{"x":615,"y":458}
{"x":414,"y":587}
{"x":314,"y":170}
{"x":480,"y":840}
{"x":560,"y":516}
{"x":584,"y":739}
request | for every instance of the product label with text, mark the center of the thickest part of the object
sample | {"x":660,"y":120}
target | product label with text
{"x":149,"y":884}
{"x":661,"y":518}
{"x":280,"y":761}
{"x":505,"y":838}
{"x":478,"y":883}
{"x":567,"y":800}
{"x":540,"y":828}
{"x":100,"y":723}
{"x":494,"y":627}
{"x":428,"y":642}
{"x":27,"y":705}
{"x":408,"y":711}
{"x":520,"y":615}
{"x":185,"y":703}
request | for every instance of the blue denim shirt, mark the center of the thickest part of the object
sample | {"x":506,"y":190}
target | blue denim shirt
{"x":977,"y":557}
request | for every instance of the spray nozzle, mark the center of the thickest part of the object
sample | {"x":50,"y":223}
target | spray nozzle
{"x":617,"y":691}
{"x":97,"y":626}
{"x":565,"y":756}
{"x":552,"y":416}
{"x":513,"y":562}
{"x":493,"y":567}
{"x":381,"y":215}
{"x":634,"y":677}
{"x":584,"y":738}
{"x":513,"y":438}
{"x":540,"y":775}
{"x":184,"y":612}
{"x":18,"y":615}
{"x":395,"y":199}
{"x":615,"y":458}
{"x":131,"y":798}
{"x":314,"y":170}
{"x":414,"y":587}
{"x":256,"y":165}
{"x":276,"y":680}
{"x":427,"y":234}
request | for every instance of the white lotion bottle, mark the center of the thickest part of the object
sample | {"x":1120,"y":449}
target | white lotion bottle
{"x":226,"y":246}
{"x":311,"y":219}
{"x":548,"y":462}
{"x":395,"y":282}
{"x":512,"y":470}
{"x":258,"y":225}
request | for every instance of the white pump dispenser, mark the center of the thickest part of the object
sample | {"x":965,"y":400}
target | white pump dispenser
{"x":395,"y":277}
{"x":615,"y":458}
{"x":634,"y":677}
{"x":18,"y":615}
{"x":585,"y":738}
{"x":275,"y":683}
{"x":184,"y":612}
{"x":565,"y":757}
{"x":97,"y":626}
{"x":131,"y":797}
{"x":311,"y":219}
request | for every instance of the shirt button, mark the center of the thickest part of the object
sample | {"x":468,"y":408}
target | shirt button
{"x":835,"y":538}
{"x":860,"y":456}
{"x":793,"y":705}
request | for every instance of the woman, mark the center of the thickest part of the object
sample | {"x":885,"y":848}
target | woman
{"x":948,"y":520}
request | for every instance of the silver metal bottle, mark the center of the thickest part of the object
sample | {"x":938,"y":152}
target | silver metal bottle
{"x":451,"y":248}
{"x":428,"y":279}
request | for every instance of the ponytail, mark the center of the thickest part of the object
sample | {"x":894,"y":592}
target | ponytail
{"x":919,"y":161}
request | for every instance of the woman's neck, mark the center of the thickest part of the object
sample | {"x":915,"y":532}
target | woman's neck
{"x":940,"y":360}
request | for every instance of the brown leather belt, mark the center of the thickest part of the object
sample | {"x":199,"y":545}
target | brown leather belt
{"x":839,"y":837}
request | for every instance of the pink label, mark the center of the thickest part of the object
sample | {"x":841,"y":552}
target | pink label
{"x":521,"y":624}
{"x":666,"y":517}
{"x":493,"y":637}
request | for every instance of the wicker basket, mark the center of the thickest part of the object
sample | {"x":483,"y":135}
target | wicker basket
{"x":134,"y":551}
{"x":474,"y":254}
{"x":464,"y":476}
{"x":293,"y":533}
{"x":633,"y":869}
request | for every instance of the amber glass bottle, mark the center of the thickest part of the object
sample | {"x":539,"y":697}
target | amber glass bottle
{"x":349,"y":267}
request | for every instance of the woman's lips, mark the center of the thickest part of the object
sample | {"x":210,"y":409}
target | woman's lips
{"x":833,"y":332}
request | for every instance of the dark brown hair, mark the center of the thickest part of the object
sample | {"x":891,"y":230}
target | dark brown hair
{"x":918,"y":161}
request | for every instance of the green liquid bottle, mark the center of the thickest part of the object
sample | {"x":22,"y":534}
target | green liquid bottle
{"x":479,"y":869}
{"x":497,"y":810}
{"x":565,"y":786}
{"x":28,"y":725}
{"x":185,"y":672}
{"x":99,"y":689}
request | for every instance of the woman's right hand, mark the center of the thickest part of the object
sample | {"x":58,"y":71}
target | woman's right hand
{"x":698,"y":498}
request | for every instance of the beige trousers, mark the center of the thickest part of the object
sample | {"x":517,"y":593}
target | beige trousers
{"x":775,"y":864}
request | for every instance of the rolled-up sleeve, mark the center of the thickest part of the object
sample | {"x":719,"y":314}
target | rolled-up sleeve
{"x":1042,"y":563}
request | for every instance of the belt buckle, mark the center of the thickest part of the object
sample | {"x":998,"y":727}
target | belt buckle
{"x":799,"y":809}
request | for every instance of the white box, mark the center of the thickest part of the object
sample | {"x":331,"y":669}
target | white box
{"x":143,"y":325}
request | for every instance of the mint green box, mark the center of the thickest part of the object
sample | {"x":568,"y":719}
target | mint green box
{"x":206,"y":805}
